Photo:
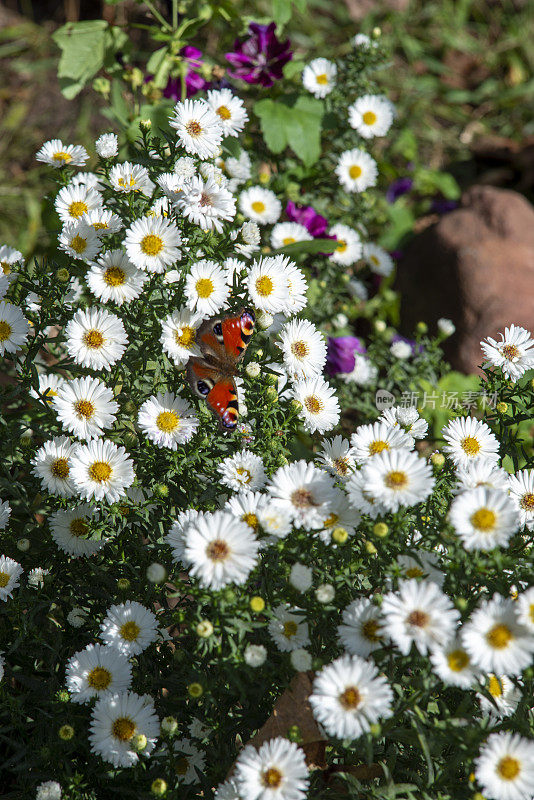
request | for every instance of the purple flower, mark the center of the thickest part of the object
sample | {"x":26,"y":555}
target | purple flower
{"x":261,"y":57}
{"x":415,"y":347}
{"x":398,"y":188}
{"x":441,"y":206}
{"x":340,"y":354}
{"x":307,"y":216}
{"x":193,"y":81}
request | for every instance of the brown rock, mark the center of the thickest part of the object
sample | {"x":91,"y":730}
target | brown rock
{"x":476,"y":267}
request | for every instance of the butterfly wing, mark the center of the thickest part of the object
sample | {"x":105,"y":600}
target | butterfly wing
{"x":237,"y":332}
{"x":219,"y":391}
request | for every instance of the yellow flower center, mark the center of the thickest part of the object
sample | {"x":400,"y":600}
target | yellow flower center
{"x":300,"y":349}
{"x":60,"y":468}
{"x":258,"y":206}
{"x":509,"y":768}
{"x":331,"y":520}
{"x":499,"y":637}
{"x":49,"y":394}
{"x":414,"y":572}
{"x":84,"y":408}
{"x":341,"y":465}
{"x":374,"y":260}
{"x":204,"y":287}
{"x":78,"y":244}
{"x":495,"y":686}
{"x":377,"y":447}
{"x":350,"y":698}
{"x":314,"y":404}
{"x":61,"y":155}
{"x":322,"y":79}
{"x":5,"y":330}
{"x":510,"y":351}
{"x":484,"y":520}
{"x":264,"y":286}
{"x":151,"y":244}
{"x":193,"y":128}
{"x":370,"y":630}
{"x":123,"y":729}
{"x":527,"y":502}
{"x":181,"y":766}
{"x":355,"y":171}
{"x":470,"y":446}
{"x":6,"y":268}
{"x":100,"y":471}
{"x":396,"y":480}
{"x":167,"y":421}
{"x":130,"y":631}
{"x":250,"y":519}
{"x":77,"y":209}
{"x":245,"y":475}
{"x":186,"y":337}
{"x":272,"y":778}
{"x":302,"y":498}
{"x":369,"y":117}
{"x":99,"y":225}
{"x":288,"y":240}
{"x":217,"y":550}
{"x":114,"y":276}
{"x":224,"y":112}
{"x":99,"y":679}
{"x":127,"y":183}
{"x":457,"y":660}
{"x":93,"y":339}
{"x":290,"y":629}
{"x":341,"y":245}
{"x":418,"y":618}
{"x":4,"y":579}
{"x":79,"y":527}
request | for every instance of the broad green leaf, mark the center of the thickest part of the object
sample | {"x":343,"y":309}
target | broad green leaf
{"x":282,"y":11}
{"x":156,"y":60}
{"x":82,"y":46}
{"x":297,"y":125}
{"x":273,"y":117}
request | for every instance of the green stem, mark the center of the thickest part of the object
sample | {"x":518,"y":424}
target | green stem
{"x":155,"y":13}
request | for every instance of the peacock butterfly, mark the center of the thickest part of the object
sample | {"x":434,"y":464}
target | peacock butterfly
{"x":222,"y":341}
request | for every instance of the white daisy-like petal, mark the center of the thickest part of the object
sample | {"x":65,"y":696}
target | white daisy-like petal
{"x":115,"y":720}
{"x":179,"y":335}
{"x":268,"y":284}
{"x":468,"y":439}
{"x":484,"y":518}
{"x":73,"y":202}
{"x":14,"y":328}
{"x":319,"y":77}
{"x":5,"y":513}
{"x":277,"y":771}
{"x":453,"y":665}
{"x":521,"y":488}
{"x":107,"y":145}
{"x":505,"y":767}
{"x":71,"y":530}
{"x":360,"y":498}
{"x":80,"y":240}
{"x":349,"y":247}
{"x":289,"y":629}
{"x":505,"y":697}
{"x":128,"y":177}
{"x":206,"y":203}
{"x":102,"y":470}
{"x":52,"y":464}
{"x":370,"y":440}
{"x":243,"y":472}
{"x":304,"y":493}
{"x":189,"y":761}
{"x":513,"y":355}
{"x":398,"y":478}
{"x":85,"y":407}
{"x":96,"y":338}
{"x":198,"y":128}
{"x":247,"y":506}
{"x":206,"y":288}
{"x":103,"y":220}
{"x":176,"y":536}
{"x":260,"y":205}
{"x":152,"y":243}
{"x":129,"y":627}
{"x":56,"y":154}
{"x":284,"y":233}
{"x":303,"y":347}
{"x":10,"y":572}
{"x":320,"y":407}
{"x":338,"y":456}
{"x":361,"y":630}
{"x":168,"y":420}
{"x":378,"y":260}
{"x":114,"y":277}
{"x":356,"y":170}
{"x":371,"y":115}
{"x":230,"y":110}
{"x":97,"y":671}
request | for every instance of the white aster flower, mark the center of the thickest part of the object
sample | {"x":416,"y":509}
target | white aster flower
{"x":227,"y":790}
{"x":505,"y":767}
{"x":250,"y":238}
{"x":80,"y":240}
{"x":303,"y":347}
{"x":9,"y":258}
{"x":421,"y":565}
{"x":297,"y":287}
{"x":378,"y":260}
{"x":229,"y":109}
{"x":349,"y":247}
{"x":71,"y":530}
{"x":198,"y":128}
{"x":171,"y":185}
{"x":247,"y":506}
{"x":96,"y":338}
{"x":189,"y":761}
{"x":97,"y":671}
{"x":398,"y":478}
{"x":368,"y":441}
{"x":505,"y":697}
{"x":319,"y":77}
{"x":496,"y":640}
{"x":361,"y":630}
{"x":304,"y":493}
{"x":4,"y":284}
{"x":274,"y":520}
{"x":10,"y":572}
{"x":102,"y":470}
{"x":356,"y":170}
{"x":85,"y":407}
{"x":268,"y":284}
{"x":363,"y":41}
{"x":52,"y":465}
{"x":176,"y":537}
{"x":446,"y":326}
{"x":179,"y":335}
{"x":103,"y":221}
{"x":453,"y":665}
{"x":484,"y":518}
{"x":277,"y":771}
{"x":320,"y":408}
{"x":76,"y":617}
{"x":349,"y":696}
{"x":514,"y":355}
{"x":115,"y":720}
{"x":325,"y":593}
{"x":525,"y":608}
{"x":128,"y":177}
{"x":152,"y":243}
{"x":73,"y":202}
{"x":89,"y":179}
{"x":56,"y":154}
{"x":239,"y":169}
{"x":407,"y":419}
{"x":468,"y":439}
{"x":338,"y":456}
{"x":36,"y":577}
{"x":301,"y":577}
{"x":167,"y":420}
{"x":360,"y":498}
{"x":289,"y":629}
{"x":364,"y":372}
{"x":371,"y":115}
{"x":420,"y":614}
{"x":521,"y":488}
{"x":14,"y":328}
{"x":342,"y":515}
{"x":48,"y":790}
{"x":114,"y":277}
{"x":206,"y":288}
{"x":242,"y":472}
{"x":107,"y":145}
{"x":401,"y":350}
{"x":5,"y":513}
{"x":129,"y":627}
{"x":255,"y":655}
{"x":284,"y":233}
{"x":185,"y":167}
{"x":206,"y":203}
{"x":260,"y":205}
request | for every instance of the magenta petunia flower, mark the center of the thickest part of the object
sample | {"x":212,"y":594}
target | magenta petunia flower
{"x":261,"y":57}
{"x":308,"y":216}
{"x":194,"y":82}
{"x":340,"y":354}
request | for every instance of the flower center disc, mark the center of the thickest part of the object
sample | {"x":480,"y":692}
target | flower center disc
{"x":470,"y":446}
{"x":370,"y":630}
{"x":396,"y":480}
{"x":4,"y":579}
{"x":377,"y":447}
{"x":499,"y":637}
{"x":302,"y":498}
{"x":99,"y":679}
{"x":350,"y":698}
{"x":99,"y":471}
{"x":151,"y":244}
{"x":204,"y":287}
{"x":123,"y":729}
{"x":258,"y":206}
{"x":93,"y":339}
{"x":355,"y":171}
{"x":457,"y":660}
{"x":167,"y":421}
{"x":77,"y":209}
{"x":130,"y":631}
{"x":527,"y":502}
{"x":272,"y":778}
{"x":322,"y":79}
{"x":62,"y":156}
{"x":418,"y":618}
{"x":508,"y":768}
{"x":78,"y":244}
{"x":290,"y":629}
{"x":264,"y":286}
{"x":300,"y":349}
{"x":84,"y":408}
{"x":369,"y":117}
{"x":217,"y":550}
{"x":313,"y":404}
{"x":79,"y":527}
{"x":223,"y":112}
{"x":484,"y":519}
{"x":186,"y":337}
{"x":60,"y":468}
{"x":193,"y":128}
{"x":114,"y":276}
{"x":510,"y":351}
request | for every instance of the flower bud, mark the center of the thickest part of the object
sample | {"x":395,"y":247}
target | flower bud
{"x":257,"y":604}
{"x":156,"y":573}
{"x":66,"y":733}
{"x":195,"y":690}
{"x":294,"y":734}
{"x":139,"y":742}
{"x":271,"y":394}
{"x":158,"y":787}
{"x":437,"y":459}
{"x":63,"y":275}
{"x":204,"y":629}
{"x":502,"y":407}
{"x":161,"y":490}
{"x":325,"y":593}
{"x":370,"y":548}
{"x":23,"y":545}
{"x":421,"y":327}
{"x":253,"y":369}
{"x":380,"y":326}
{"x":169,"y":725}
{"x":339,"y":535}
{"x":380,"y":529}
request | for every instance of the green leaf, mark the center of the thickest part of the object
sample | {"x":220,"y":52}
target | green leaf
{"x":156,"y":59}
{"x":312,"y":246}
{"x":297,"y":125}
{"x":273,"y":118}
{"x":82,"y":46}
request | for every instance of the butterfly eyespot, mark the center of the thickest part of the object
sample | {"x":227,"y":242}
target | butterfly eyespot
{"x":229,"y":418}
{"x":218,"y":331}
{"x":203,"y":388}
